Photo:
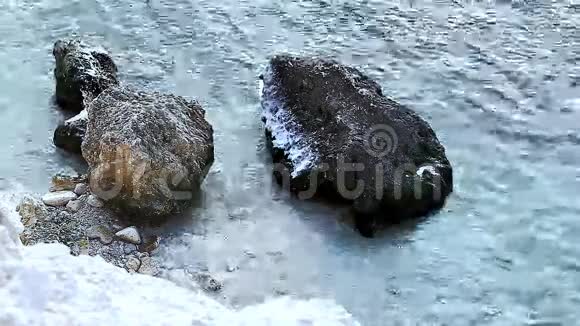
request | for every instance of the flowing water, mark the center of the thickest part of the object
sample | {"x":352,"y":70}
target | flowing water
{"x":497,"y":81}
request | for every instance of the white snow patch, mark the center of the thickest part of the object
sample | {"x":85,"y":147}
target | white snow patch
{"x":281,"y":124}
{"x":45,"y":285}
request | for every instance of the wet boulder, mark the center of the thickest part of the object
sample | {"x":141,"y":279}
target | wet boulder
{"x":148,"y":153}
{"x":334,"y":134}
{"x":82,"y":72}
{"x":69,"y":135}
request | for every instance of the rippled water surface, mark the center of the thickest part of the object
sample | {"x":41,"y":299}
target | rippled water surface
{"x":497,"y":81}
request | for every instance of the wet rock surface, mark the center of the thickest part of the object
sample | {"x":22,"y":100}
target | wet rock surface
{"x":66,"y":180}
{"x":69,"y":135}
{"x":336,"y":135}
{"x":148,"y":152}
{"x":82,"y":72}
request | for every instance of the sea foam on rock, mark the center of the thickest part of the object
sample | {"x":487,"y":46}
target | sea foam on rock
{"x":336,"y":135}
{"x":70,"y":134}
{"x":82,"y":72}
{"x":148,"y":153}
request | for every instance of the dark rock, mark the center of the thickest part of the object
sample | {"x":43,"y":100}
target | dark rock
{"x":148,"y":153}
{"x":70,"y":134}
{"x":335,"y":135}
{"x":82,"y":72}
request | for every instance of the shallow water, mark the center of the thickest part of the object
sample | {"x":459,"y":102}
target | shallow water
{"x":497,"y":81}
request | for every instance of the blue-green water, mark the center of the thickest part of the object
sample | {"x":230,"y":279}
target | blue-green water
{"x":497,"y":81}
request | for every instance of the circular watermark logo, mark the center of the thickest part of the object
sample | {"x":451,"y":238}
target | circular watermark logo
{"x":381,"y":140}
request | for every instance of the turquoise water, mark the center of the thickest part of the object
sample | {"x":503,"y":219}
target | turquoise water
{"x":497,"y":81}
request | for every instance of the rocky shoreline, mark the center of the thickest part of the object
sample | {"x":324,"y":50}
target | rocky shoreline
{"x":148,"y":154}
{"x":78,"y":219}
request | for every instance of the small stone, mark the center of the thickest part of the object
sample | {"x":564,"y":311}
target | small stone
{"x":207,"y":282}
{"x":81,"y":189}
{"x":129,"y":248}
{"x":59,"y":198}
{"x":212,"y":285}
{"x":100,"y":232}
{"x":133,"y":264}
{"x":94,"y":201}
{"x":74,"y":206}
{"x":61,"y":217}
{"x":130,"y":235}
{"x":250,"y":254}
{"x":150,"y":243}
{"x":65,"y":180}
{"x":231,"y":267}
{"x":148,"y":267}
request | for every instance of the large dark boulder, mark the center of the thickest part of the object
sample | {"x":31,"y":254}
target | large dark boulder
{"x":70,"y":134}
{"x":82,"y":72}
{"x":148,"y":153}
{"x":334,"y":134}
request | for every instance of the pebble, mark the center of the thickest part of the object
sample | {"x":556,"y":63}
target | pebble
{"x":74,"y":206}
{"x":148,"y":267}
{"x":129,"y":248}
{"x":149,"y":243}
{"x":130,"y":235}
{"x":59,"y":198}
{"x":208,"y":283}
{"x":250,"y":254}
{"x":62,"y":216}
{"x":81,"y":189}
{"x":133,"y":264}
{"x":231,"y":267}
{"x":100,"y":232}
{"x":94,"y":201}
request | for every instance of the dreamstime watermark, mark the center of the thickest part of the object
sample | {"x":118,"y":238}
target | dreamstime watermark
{"x":125,"y":173}
{"x":381,"y":140}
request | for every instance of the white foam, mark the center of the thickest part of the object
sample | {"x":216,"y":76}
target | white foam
{"x":429,"y":168}
{"x":284,"y":129}
{"x":45,"y":285}
{"x":81,"y":116}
